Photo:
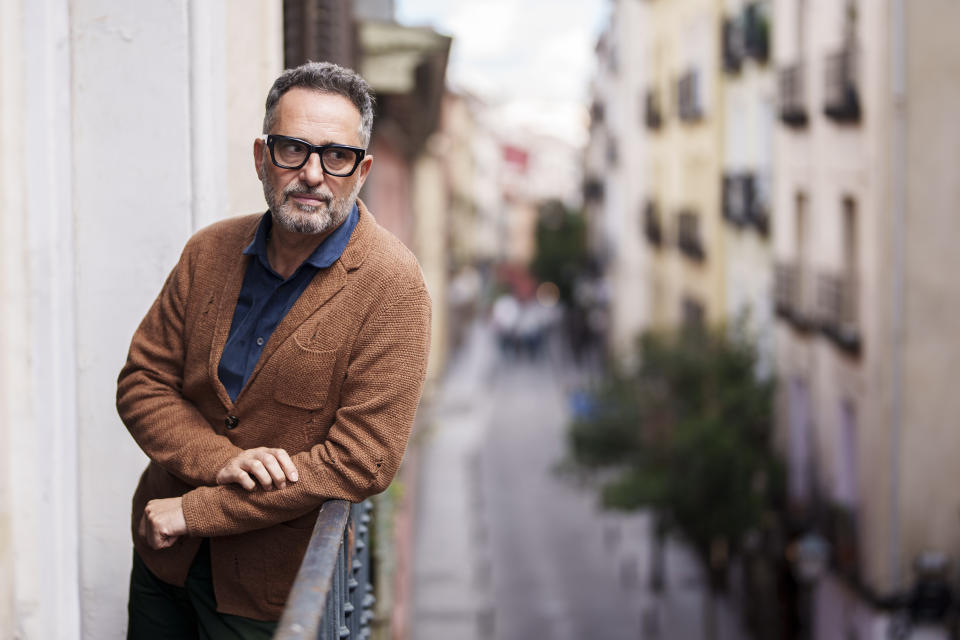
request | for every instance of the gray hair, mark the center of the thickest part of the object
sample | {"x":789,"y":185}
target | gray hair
{"x":324,"y":77}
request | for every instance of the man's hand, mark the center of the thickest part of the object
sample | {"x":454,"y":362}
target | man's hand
{"x":163,"y":523}
{"x":272,"y":468}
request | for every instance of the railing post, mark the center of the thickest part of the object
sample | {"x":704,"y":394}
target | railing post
{"x":331,"y":597}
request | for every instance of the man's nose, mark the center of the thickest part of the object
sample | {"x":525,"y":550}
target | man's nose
{"x":312,"y":172}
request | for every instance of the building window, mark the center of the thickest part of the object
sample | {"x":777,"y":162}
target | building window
{"x":692,"y":313}
{"x":689,"y":96}
{"x":689,"y":240}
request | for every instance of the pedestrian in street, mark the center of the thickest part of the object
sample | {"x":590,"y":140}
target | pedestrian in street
{"x":279,"y":367}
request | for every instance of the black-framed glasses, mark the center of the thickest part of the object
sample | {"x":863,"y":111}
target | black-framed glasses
{"x":337,"y":160}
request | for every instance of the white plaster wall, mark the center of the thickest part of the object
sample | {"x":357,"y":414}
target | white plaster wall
{"x":38,"y":522}
{"x":254,"y":58}
{"x":630,"y":307}
{"x":115,"y":149}
{"x":931,"y":444}
{"x":131,"y":94}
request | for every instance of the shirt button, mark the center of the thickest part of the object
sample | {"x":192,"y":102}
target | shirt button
{"x":260,"y":342}
{"x":231,"y":421}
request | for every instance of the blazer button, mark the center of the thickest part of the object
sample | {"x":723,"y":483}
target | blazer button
{"x":231,"y":421}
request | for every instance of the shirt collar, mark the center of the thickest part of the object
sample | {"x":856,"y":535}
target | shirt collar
{"x":326,"y":253}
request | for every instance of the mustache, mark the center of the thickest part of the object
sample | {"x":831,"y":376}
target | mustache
{"x":302,"y":189}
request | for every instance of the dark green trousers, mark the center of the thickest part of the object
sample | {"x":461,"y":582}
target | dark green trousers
{"x":161,"y":611}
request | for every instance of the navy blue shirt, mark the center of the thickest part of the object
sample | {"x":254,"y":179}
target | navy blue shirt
{"x":265,"y":298}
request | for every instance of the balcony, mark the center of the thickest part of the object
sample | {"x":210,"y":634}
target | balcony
{"x":737,"y":198}
{"x":756,"y":32}
{"x":651,"y":224}
{"x":652,"y":115}
{"x":733,"y":45}
{"x":837,"y":302}
{"x":842,"y":94}
{"x":791,"y":298}
{"x":332,"y":596}
{"x":689,"y":98}
{"x":793,"y":107}
{"x":688,"y":236}
{"x":592,"y":190}
{"x":744,"y":203}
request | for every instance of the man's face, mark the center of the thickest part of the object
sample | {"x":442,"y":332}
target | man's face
{"x":307,"y":200}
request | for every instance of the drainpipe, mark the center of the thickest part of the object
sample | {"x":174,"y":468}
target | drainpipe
{"x":899,"y":185}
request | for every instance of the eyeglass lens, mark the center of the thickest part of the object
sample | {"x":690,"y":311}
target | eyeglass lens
{"x":293,"y":153}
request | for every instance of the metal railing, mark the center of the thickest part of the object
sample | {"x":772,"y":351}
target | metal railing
{"x":793,"y":103}
{"x":651,"y":224}
{"x":837,"y":300}
{"x":689,"y":240}
{"x":841,"y":91}
{"x":652,"y":115}
{"x":332,"y":596}
{"x":792,"y":295}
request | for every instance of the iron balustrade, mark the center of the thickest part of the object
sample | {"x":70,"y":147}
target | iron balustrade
{"x":842,"y":95}
{"x":651,"y":224}
{"x":734,"y":49}
{"x":332,"y":596}
{"x":837,"y":309}
{"x":792,"y":296}
{"x":652,"y":115}
{"x":793,"y":107}
{"x":688,"y":236}
{"x":689,"y":96}
{"x":756,"y":31}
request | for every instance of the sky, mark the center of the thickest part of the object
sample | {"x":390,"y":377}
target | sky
{"x":530,"y":59}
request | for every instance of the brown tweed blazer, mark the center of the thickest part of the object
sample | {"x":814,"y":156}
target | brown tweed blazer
{"x":337,"y":386}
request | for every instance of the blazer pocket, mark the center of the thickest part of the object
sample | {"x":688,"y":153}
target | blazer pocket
{"x":303,"y":377}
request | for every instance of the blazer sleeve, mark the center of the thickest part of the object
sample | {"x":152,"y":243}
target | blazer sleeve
{"x":365,"y":444}
{"x":167,"y":426}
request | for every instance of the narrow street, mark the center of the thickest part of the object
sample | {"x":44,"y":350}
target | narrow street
{"x":507,"y":549}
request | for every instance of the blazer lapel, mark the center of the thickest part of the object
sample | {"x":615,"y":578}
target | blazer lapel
{"x":324,"y":286}
{"x":221,"y":331}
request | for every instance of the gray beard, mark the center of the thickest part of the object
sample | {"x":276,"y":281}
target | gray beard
{"x":313,"y":220}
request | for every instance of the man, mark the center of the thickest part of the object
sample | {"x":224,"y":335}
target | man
{"x":280,"y":366}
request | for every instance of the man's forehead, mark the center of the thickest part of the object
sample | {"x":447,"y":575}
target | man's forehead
{"x":307,"y":98}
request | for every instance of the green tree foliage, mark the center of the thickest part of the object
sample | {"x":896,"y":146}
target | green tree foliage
{"x":561,"y":247}
{"x":687,"y":433}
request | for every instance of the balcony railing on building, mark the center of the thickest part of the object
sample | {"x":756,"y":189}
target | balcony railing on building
{"x":837,"y":302}
{"x":652,"y":116}
{"x":592,"y":190}
{"x":746,"y":35}
{"x":332,"y":596}
{"x":792,"y":298}
{"x":689,"y":97}
{"x":744,"y":203}
{"x":734,"y":50}
{"x":842,"y":92}
{"x":756,"y":31}
{"x":689,"y":240}
{"x":651,"y":224}
{"x":793,"y":105}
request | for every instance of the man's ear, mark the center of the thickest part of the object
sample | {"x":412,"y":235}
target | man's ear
{"x":259,"y":148}
{"x":364,"y":168}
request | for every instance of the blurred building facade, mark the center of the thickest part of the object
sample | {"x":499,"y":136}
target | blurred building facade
{"x":617,"y":185}
{"x":863,"y":201}
{"x":796,"y":166}
{"x":749,"y":96}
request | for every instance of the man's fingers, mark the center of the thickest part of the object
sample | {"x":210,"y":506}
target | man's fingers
{"x":289,"y":470}
{"x":273,"y":468}
{"x":259,"y":472}
{"x":233,"y":474}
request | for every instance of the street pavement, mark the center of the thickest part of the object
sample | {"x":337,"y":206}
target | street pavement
{"x":508,"y":549}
